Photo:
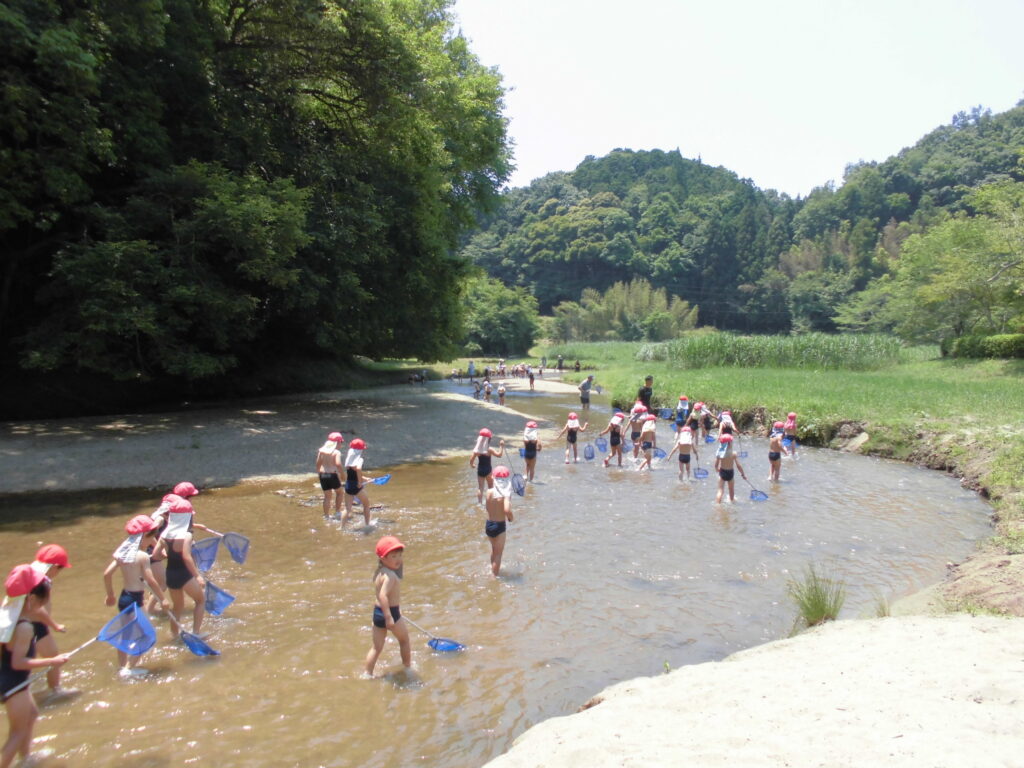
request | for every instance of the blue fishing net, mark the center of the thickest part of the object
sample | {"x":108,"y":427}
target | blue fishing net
{"x":444,"y":644}
{"x":130,"y":631}
{"x":659,"y":453}
{"x":197,"y":645}
{"x":518,"y":484}
{"x":205,"y":552}
{"x":382,"y":480}
{"x":522,"y":453}
{"x":756,"y":495}
{"x":217,"y":600}
{"x":667,"y":414}
{"x":588,"y":452}
{"x":238,"y":546}
{"x":699,"y":473}
{"x":602,"y":444}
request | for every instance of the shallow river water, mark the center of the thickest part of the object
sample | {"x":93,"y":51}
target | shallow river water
{"x":608,"y":574}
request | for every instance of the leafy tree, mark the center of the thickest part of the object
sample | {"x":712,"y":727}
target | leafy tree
{"x":499,"y":320}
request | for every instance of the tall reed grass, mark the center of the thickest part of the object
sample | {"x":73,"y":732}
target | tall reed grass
{"x":818,"y":598}
{"x":811,"y":351}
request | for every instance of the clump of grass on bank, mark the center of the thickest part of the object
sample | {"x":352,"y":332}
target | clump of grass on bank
{"x":811,"y":351}
{"x":818,"y":598}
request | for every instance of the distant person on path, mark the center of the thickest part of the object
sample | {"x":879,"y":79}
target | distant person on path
{"x":501,"y":393}
{"x":499,"y":514}
{"x":328,"y":468}
{"x":544,"y":361}
{"x":471,"y":370}
{"x":614,"y":432}
{"x":576,"y":366}
{"x":571,"y":429}
{"x":531,"y":446}
{"x":645,"y":393}
{"x":726,"y":464}
{"x":775,"y":451}
{"x":481,"y":460}
{"x":530,"y":371}
{"x":561,"y":363}
{"x":585,"y":386}
{"x":387,"y":614}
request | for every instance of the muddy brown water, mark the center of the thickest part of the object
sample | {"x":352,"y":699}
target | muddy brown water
{"x":608,"y":575}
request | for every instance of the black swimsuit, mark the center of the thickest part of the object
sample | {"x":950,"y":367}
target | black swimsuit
{"x":178,"y":574}
{"x":352,"y":486}
{"x":483,"y":464}
{"x":9,"y":676}
{"x":530,"y":451}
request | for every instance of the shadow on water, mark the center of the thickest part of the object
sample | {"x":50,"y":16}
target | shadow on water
{"x":608,"y":574}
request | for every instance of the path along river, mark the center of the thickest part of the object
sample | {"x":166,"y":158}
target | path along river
{"x":609,"y":574}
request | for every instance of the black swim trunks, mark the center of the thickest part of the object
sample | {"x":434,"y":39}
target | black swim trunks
{"x":530,"y":451}
{"x":329,"y":481}
{"x":727,"y":474}
{"x":684,"y":458}
{"x":127,"y":598}
{"x":378,"y":616}
{"x":494,"y":528}
{"x":634,"y":436}
{"x":571,"y":436}
{"x":615,"y":439}
{"x":774,"y":455}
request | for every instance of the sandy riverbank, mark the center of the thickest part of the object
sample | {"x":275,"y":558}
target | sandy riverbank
{"x":912,"y":691}
{"x":252,"y":440}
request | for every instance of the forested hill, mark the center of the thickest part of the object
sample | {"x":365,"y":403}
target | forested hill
{"x":751,"y":259}
{"x":199,"y":189}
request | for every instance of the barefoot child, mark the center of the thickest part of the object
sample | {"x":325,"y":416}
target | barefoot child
{"x":614,"y":431}
{"x":789,"y":438}
{"x":571,"y":429}
{"x":686,"y":447}
{"x":499,"y":513}
{"x":775,"y":451}
{"x":531,"y":446}
{"x":386,"y":613}
{"x":648,"y":439}
{"x":481,"y":459}
{"x":355,"y":481}
{"x":50,"y":560}
{"x":328,"y":468}
{"x":183,"y":576}
{"x":28,"y":591}
{"x":682,"y":412}
{"x":133,"y":561}
{"x":637,"y":416}
{"x":726,"y":464}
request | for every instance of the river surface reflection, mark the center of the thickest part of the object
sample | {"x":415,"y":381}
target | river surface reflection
{"x":609,"y":574}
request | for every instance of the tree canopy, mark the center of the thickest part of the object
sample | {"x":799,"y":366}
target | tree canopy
{"x":193,"y":185}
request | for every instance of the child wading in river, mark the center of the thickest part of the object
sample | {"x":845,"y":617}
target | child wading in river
{"x":775,"y":451}
{"x":726,"y":464}
{"x":499,"y":514}
{"x":386,"y":613}
{"x":570,"y":430}
{"x":686,"y":447}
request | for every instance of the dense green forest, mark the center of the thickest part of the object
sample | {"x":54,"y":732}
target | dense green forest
{"x":194,"y":188}
{"x":927,"y":244}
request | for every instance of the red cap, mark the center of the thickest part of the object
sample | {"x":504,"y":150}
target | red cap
{"x":531,"y":425}
{"x":778,"y":425}
{"x":650,"y":417}
{"x":23,"y":579}
{"x":572,"y":415}
{"x":53,"y":554}
{"x":687,"y":429}
{"x":501,"y":471}
{"x":388,"y":544}
{"x":726,"y":438}
{"x":178,"y":504}
{"x":485,"y":432}
{"x":640,"y":408}
{"x":185,"y":490}
{"x":141,"y":524}
{"x":357,"y":444}
{"x":791,"y":415}
{"x":683,"y":397}
{"x":336,"y":437}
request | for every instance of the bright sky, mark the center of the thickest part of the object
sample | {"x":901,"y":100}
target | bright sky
{"x":785,"y":93}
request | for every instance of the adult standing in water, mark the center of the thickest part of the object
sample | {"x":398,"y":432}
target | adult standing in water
{"x":645,"y":393}
{"x":584,"y":389}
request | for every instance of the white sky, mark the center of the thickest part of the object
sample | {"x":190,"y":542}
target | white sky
{"x":785,"y":93}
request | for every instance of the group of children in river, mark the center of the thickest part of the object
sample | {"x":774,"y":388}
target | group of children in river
{"x":156,"y":553}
